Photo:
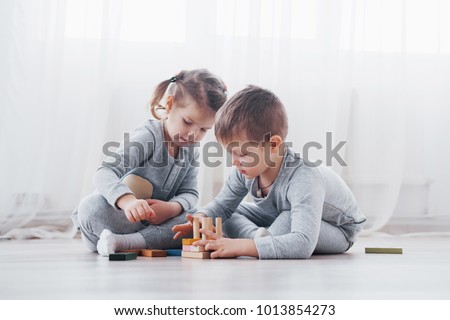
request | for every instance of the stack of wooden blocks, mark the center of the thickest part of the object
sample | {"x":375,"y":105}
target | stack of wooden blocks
{"x":199,"y":252}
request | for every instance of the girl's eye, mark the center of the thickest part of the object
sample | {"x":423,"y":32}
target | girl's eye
{"x":186,"y":122}
{"x":204,"y":130}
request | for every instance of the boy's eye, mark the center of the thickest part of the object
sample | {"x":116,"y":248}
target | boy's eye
{"x":187,"y":122}
{"x":204,"y":130}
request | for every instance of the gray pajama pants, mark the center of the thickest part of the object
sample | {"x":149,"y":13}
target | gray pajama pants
{"x":245,"y":222}
{"x":94,"y":214}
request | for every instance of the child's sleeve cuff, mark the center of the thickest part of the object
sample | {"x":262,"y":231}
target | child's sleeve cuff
{"x":266,"y":248}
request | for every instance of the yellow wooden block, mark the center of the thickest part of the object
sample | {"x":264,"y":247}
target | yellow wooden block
{"x":153,"y":253}
{"x":196,"y":255}
{"x":189,"y":241}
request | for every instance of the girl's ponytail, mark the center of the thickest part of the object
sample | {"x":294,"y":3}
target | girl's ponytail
{"x":158,"y":94}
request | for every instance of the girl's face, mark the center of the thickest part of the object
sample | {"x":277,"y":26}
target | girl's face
{"x":186,"y":121}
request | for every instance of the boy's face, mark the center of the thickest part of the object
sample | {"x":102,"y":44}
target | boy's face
{"x":249,"y":157}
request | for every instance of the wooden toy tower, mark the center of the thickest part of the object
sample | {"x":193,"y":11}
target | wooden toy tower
{"x":190,"y":251}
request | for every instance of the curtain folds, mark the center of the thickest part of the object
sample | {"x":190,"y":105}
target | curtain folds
{"x":76,"y":74}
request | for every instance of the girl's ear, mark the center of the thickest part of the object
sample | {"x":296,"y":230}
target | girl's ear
{"x":169,"y":104}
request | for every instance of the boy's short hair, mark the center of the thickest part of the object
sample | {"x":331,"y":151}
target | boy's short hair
{"x":253,"y":111}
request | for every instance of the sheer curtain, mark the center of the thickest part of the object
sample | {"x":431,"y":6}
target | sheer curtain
{"x":78,"y":73}
{"x":57,"y":91}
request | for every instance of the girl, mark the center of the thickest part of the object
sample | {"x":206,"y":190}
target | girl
{"x":144,"y":187}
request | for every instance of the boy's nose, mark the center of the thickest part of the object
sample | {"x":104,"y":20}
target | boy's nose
{"x":235,"y":161}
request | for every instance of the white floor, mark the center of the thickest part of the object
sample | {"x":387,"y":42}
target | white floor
{"x":64,"y":269}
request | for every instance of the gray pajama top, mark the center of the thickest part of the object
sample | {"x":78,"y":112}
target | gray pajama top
{"x":310,"y":194}
{"x":144,"y":154}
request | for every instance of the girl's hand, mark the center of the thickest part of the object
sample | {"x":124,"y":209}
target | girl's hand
{"x":185,"y":230}
{"x":163,"y":210}
{"x":227,"y":248}
{"x":135,"y":209}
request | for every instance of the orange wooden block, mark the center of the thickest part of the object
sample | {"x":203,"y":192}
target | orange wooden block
{"x":196,"y":255}
{"x":153,"y":253}
{"x":189,"y":241}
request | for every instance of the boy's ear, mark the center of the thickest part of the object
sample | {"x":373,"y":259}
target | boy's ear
{"x":275,"y":142}
{"x":169,"y":103}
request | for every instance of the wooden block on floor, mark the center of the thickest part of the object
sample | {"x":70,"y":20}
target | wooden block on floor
{"x":189,"y":241}
{"x":123,"y":256}
{"x":384,"y":250}
{"x":193,"y":248}
{"x":138,"y":251}
{"x":196,"y":255}
{"x":173,"y":252}
{"x":153,"y":253}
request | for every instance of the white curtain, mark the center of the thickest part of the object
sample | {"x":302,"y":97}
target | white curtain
{"x":77,"y":73}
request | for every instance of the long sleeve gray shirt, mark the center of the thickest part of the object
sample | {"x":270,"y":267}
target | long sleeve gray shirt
{"x":310,"y":194}
{"x":144,"y":153}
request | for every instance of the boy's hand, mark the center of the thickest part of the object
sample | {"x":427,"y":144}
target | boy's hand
{"x":186,"y":229}
{"x":164,"y":210}
{"x":227,"y":248}
{"x":135,"y":209}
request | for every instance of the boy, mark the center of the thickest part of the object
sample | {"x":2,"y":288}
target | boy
{"x":298,"y":209}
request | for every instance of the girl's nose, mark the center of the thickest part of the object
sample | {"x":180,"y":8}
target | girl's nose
{"x":192,"y":135}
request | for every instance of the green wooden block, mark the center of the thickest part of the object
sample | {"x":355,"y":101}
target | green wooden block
{"x":384,"y":250}
{"x":122,"y":256}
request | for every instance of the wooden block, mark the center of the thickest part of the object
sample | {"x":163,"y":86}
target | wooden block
{"x":193,"y":248}
{"x":207,"y":224}
{"x":196,"y":226}
{"x":196,"y":255}
{"x":219,"y":227}
{"x":122,"y":256}
{"x":384,"y":250}
{"x":189,"y":241}
{"x":138,"y":251}
{"x":153,"y":253}
{"x":173,"y":252}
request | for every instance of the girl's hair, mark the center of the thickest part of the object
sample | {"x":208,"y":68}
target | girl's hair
{"x":203,"y":86}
